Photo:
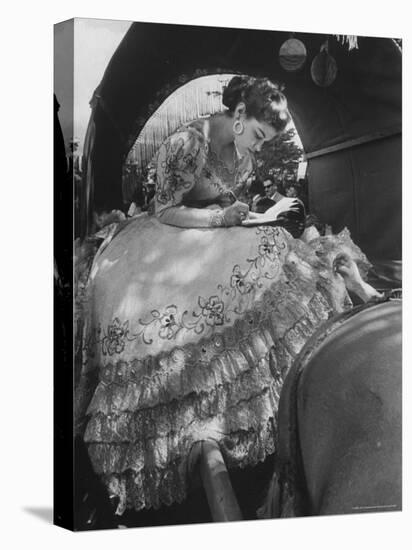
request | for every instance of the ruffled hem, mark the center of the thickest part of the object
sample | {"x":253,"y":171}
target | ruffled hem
{"x":140,"y":434}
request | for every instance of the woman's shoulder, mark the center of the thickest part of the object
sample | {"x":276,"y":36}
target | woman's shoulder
{"x":192,"y":135}
{"x":187,"y":145}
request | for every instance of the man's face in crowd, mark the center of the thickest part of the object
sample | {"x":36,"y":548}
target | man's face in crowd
{"x":270,"y":187}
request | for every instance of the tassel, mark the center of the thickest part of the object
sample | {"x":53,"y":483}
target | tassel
{"x":350,"y":40}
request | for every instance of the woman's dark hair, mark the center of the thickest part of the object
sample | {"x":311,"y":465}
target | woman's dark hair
{"x":263,"y":100}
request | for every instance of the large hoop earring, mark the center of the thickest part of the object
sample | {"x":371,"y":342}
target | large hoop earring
{"x":238,"y":127}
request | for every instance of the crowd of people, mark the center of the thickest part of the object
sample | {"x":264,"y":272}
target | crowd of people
{"x":138,"y":188}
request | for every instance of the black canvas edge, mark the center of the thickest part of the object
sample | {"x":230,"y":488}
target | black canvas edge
{"x":63,"y":233}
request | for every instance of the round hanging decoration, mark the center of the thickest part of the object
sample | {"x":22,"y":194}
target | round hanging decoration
{"x":324,"y":68}
{"x":292,"y":54}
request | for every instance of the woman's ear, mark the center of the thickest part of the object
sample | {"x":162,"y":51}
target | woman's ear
{"x":240,"y":111}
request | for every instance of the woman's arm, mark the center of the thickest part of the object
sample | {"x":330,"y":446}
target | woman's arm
{"x":183,"y":216}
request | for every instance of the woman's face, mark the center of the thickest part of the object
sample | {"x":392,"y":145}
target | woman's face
{"x":254,"y":135}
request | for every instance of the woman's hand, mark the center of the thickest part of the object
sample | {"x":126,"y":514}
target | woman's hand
{"x":235,"y":214}
{"x":346,"y":266}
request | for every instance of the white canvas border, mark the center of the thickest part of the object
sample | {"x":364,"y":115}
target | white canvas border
{"x":26,"y":404}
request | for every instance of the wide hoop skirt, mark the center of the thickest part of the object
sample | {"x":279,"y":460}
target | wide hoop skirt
{"x":187,"y":334}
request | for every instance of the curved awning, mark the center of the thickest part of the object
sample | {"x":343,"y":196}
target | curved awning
{"x":351,"y":130}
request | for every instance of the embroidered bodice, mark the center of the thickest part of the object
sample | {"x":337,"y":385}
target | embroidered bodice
{"x":193,"y":184}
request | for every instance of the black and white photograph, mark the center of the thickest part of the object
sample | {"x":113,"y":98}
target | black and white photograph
{"x":205,"y":275}
{"x":237,"y":272}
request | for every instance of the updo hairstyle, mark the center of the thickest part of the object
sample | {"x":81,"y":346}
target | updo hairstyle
{"x":262,"y":98}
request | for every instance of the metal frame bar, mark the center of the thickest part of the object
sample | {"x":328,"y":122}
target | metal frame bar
{"x":375,"y":136}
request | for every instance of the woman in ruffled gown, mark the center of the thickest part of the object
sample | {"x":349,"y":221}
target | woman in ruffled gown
{"x":189,"y":320}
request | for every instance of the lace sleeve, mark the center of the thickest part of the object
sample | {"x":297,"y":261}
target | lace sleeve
{"x":180,"y":161}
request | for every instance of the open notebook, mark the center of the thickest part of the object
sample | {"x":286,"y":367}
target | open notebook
{"x":272,"y":214}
